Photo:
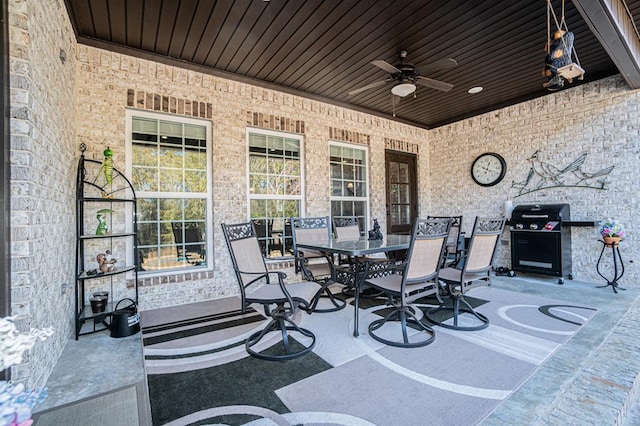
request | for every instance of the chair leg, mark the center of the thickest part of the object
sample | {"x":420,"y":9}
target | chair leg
{"x":405,"y":315}
{"x":456,"y":310}
{"x":280,"y":322}
{"x":325,"y":292}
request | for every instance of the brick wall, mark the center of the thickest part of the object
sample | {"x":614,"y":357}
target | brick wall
{"x":56,"y":106}
{"x":108,"y":83}
{"x":43,"y":167}
{"x":560,"y":126}
{"x":600,"y":119}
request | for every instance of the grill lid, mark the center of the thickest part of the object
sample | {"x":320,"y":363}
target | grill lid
{"x":536,"y":212}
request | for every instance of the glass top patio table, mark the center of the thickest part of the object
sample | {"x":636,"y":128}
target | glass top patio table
{"x":356,"y":248}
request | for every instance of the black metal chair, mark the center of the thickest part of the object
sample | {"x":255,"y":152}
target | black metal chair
{"x":415,"y":278}
{"x":347,"y":228}
{"x":475,"y":271}
{"x":189,"y":239}
{"x":454,"y":249}
{"x":314,"y":265}
{"x":251,"y":272}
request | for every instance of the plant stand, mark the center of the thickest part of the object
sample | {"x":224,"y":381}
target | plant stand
{"x":617,"y":274}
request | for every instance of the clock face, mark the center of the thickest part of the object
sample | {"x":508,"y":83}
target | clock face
{"x":488,"y":169}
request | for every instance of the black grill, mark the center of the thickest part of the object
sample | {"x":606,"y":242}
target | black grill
{"x":540,"y":241}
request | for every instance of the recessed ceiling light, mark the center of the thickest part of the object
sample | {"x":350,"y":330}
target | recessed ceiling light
{"x":476,"y":89}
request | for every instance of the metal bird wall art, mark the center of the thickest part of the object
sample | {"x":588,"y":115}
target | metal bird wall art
{"x":543,"y":175}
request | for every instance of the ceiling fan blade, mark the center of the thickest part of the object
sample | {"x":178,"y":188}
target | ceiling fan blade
{"x":434,"y":84}
{"x":386,"y":66}
{"x":367,"y":87}
{"x":441,"y":64}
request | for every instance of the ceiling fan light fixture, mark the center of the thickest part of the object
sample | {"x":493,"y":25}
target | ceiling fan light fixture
{"x":403,"y":89}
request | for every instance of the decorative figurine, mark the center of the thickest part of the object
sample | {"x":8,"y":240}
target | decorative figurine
{"x":107,"y":165}
{"x":107,"y":169}
{"x":104,"y":264}
{"x":102,"y":228}
{"x":375,"y":234}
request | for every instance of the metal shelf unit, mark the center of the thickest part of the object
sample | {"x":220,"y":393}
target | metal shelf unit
{"x":93,"y":194}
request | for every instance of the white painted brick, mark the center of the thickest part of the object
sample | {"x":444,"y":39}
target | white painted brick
{"x":85,"y":99}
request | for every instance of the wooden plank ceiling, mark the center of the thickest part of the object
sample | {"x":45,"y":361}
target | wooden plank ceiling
{"x":322,"y":49}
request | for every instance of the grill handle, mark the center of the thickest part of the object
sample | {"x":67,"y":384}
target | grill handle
{"x":535,"y":216}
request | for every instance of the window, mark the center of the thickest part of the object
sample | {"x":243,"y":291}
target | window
{"x":349,"y":193}
{"x":170,"y":171}
{"x":275,"y":188}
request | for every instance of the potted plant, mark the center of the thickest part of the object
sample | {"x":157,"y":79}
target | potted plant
{"x":612,"y":232}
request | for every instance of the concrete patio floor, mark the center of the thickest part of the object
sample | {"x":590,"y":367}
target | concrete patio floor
{"x":591,"y":380}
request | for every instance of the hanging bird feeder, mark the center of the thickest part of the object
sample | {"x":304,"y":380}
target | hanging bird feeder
{"x":561,"y":63}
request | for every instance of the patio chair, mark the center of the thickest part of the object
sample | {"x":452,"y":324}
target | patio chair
{"x":474,"y":271}
{"x":189,"y":240}
{"x":315,"y":265}
{"x":415,"y":278}
{"x":347,"y":228}
{"x":455,"y":241}
{"x":257,"y":285}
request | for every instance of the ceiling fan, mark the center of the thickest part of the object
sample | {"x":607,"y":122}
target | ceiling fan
{"x":405,"y":76}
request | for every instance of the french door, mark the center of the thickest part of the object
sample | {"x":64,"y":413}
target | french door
{"x":402,"y":199}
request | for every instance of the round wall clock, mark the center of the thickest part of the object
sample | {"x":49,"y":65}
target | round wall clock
{"x":488,"y":169}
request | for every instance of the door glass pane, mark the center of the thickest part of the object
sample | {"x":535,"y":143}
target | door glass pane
{"x":395,"y":215}
{"x":395,"y":193}
{"x":393,"y":172}
{"x":403,"y":171}
{"x":403,"y":194}
{"x":404,"y":215}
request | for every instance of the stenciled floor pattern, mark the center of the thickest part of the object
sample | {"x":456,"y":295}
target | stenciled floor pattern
{"x":199,"y":373}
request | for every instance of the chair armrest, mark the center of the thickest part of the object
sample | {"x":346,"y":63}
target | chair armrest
{"x":281,"y":276}
{"x":259,"y":275}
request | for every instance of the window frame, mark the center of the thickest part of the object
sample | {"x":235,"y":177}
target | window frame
{"x":301,"y":197}
{"x":208,"y":198}
{"x":367,"y":199}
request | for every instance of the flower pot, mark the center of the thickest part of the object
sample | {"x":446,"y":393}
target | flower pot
{"x":611,"y":241}
{"x":98,"y":301}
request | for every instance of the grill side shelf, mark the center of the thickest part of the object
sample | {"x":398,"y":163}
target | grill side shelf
{"x":584,"y":223}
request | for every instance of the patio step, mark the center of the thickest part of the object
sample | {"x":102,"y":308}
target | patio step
{"x":606,"y":384}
